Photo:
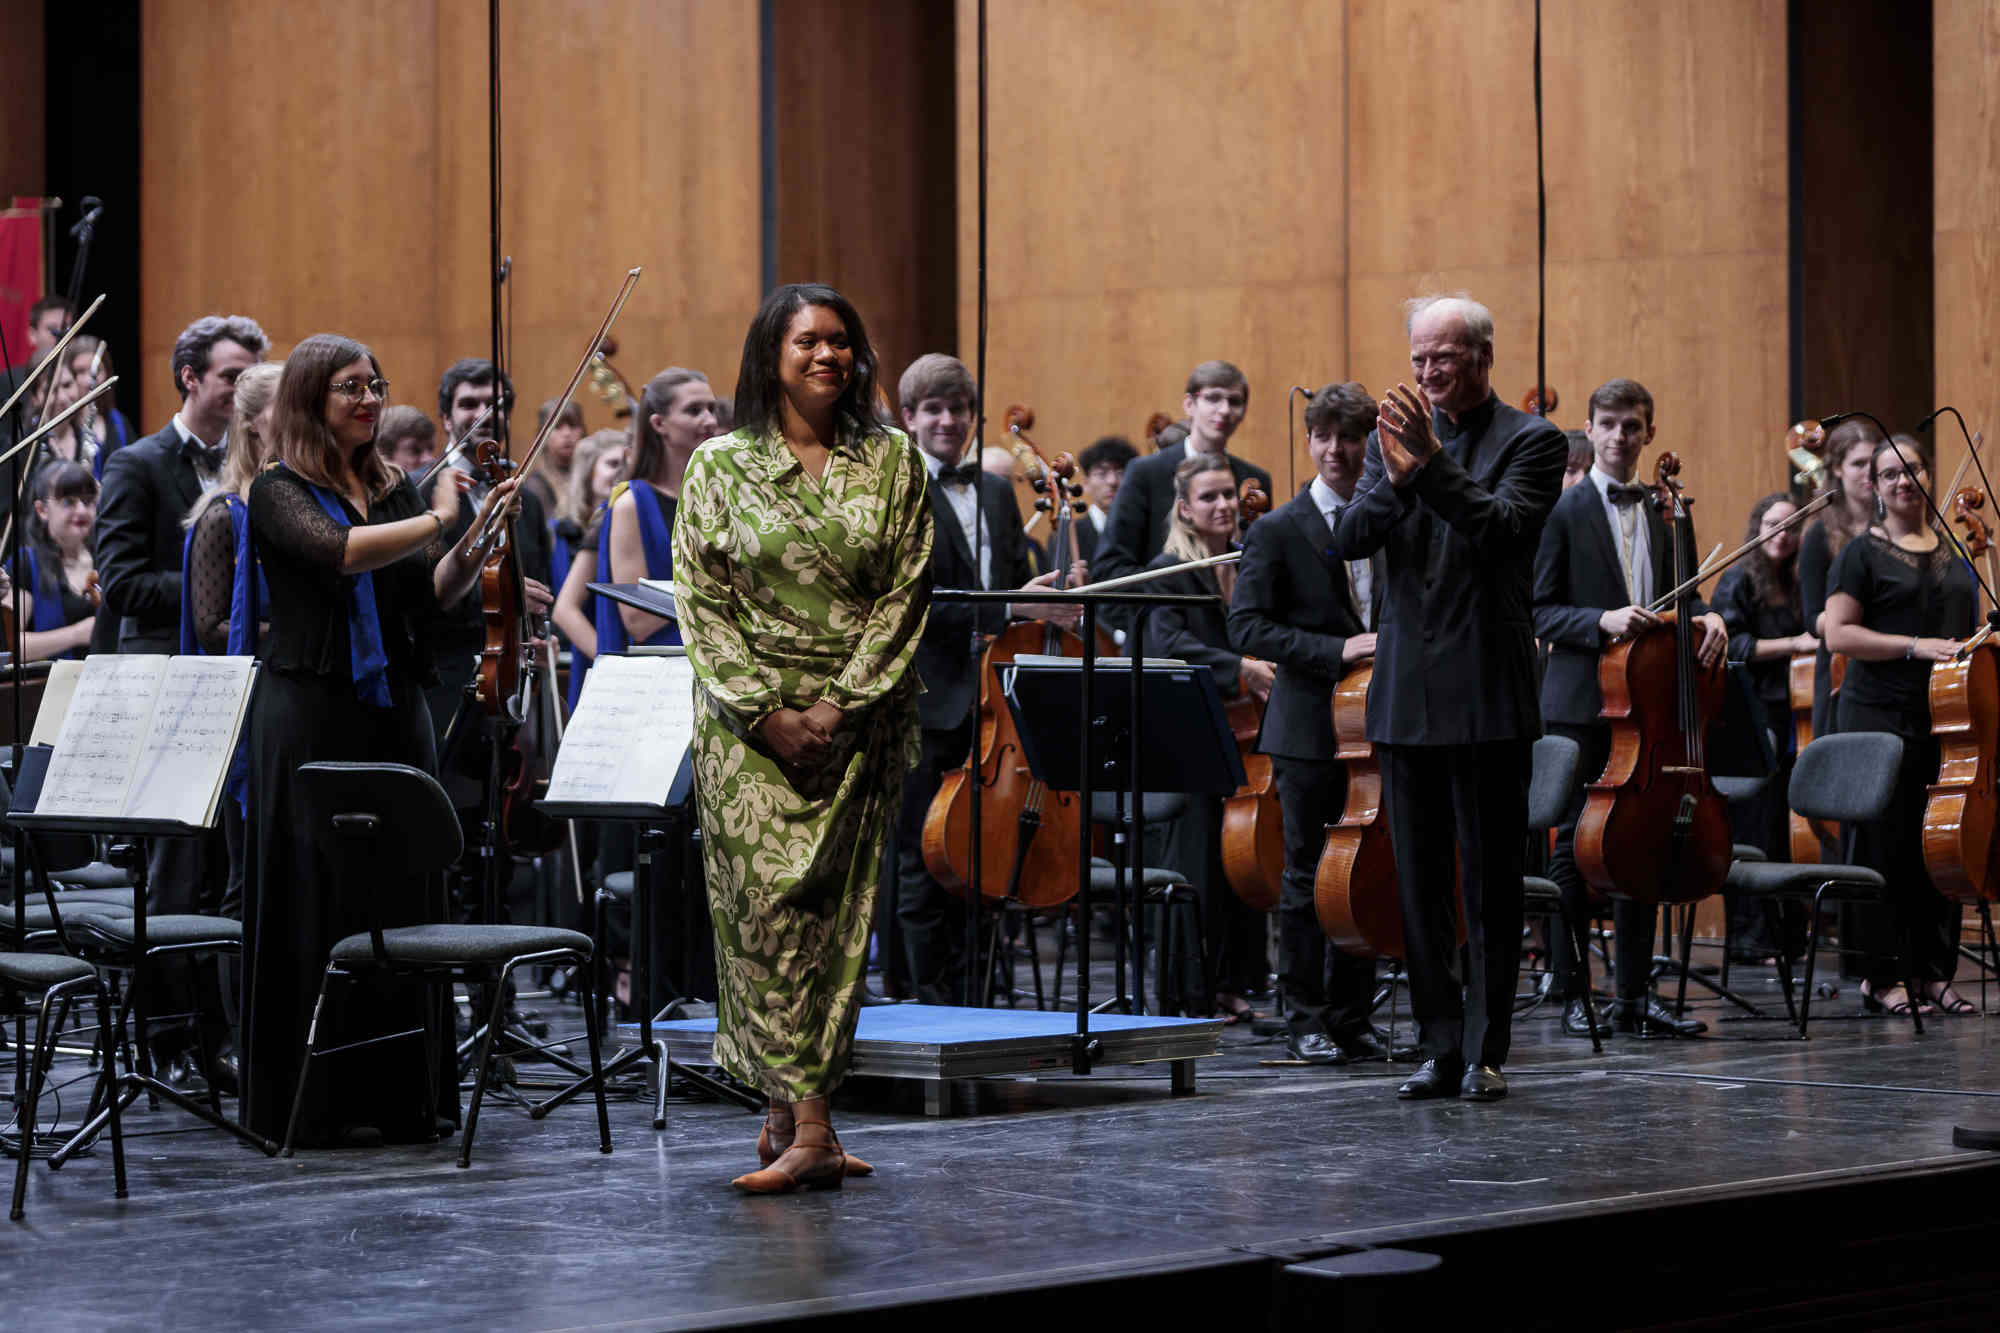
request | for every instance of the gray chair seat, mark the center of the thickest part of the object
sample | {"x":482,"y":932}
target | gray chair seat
{"x":1158,"y":805}
{"x":96,"y":875}
{"x":1754,"y":878}
{"x":101,"y":897}
{"x":449,"y":943}
{"x":39,"y":917}
{"x":41,"y":970}
{"x":1541,"y":895}
{"x":1104,"y":877}
{"x":1744,"y":851}
{"x":1740,"y":789}
{"x":173,"y":930}
{"x":619,"y":885}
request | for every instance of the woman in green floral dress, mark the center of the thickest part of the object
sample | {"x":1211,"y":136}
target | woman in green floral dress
{"x":802,"y":573}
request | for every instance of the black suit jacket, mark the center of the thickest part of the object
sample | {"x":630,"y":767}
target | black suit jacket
{"x":947,"y":658}
{"x":1195,"y":634}
{"x":1455,"y":650}
{"x":1577,"y":578}
{"x":1293,"y":608}
{"x":148,"y":488}
{"x":1137,"y":530}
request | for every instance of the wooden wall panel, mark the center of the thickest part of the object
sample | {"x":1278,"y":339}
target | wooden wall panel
{"x":22,"y":66}
{"x":1966,"y":72}
{"x":1165,"y":187}
{"x":352,"y":194}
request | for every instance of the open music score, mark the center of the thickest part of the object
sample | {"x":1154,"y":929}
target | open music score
{"x":624,"y":743}
{"x":148,"y":737}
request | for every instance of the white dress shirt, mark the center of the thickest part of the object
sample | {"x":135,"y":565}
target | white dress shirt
{"x":964,"y":502}
{"x":1360,"y":575}
{"x":1631,"y":536}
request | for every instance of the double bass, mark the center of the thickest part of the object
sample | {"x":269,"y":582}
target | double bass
{"x":1960,"y":850}
{"x":1253,"y":826}
{"x":1654,"y":828}
{"x":1030,"y":835}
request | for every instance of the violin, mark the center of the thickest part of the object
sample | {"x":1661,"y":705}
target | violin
{"x":1253,"y":826}
{"x":1155,"y":424}
{"x":1654,"y":828}
{"x":1030,"y":836}
{"x":1960,"y":851}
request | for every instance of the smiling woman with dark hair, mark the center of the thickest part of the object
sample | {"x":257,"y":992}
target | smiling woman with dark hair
{"x":802,"y":574}
{"x":355,"y":567}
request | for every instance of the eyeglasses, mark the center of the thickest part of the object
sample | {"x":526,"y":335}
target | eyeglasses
{"x":352,"y":390}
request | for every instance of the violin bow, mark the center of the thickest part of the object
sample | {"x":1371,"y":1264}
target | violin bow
{"x":527,"y":462}
{"x":53,"y":358}
{"x":1713,"y":566}
{"x":1146,"y":575}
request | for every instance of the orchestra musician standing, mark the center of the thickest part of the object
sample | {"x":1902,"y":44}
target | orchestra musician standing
{"x":1758,"y":600}
{"x":1312,"y":616}
{"x":1900,"y":599}
{"x":1454,"y":492}
{"x":1604,"y":557}
{"x":940,"y":410}
{"x":802,"y":577}
{"x":1850,"y":457}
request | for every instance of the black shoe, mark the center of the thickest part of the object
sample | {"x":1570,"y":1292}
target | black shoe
{"x":1653,"y":1019}
{"x":1574,"y":1024}
{"x":179,"y":1073}
{"x":223,"y":1073}
{"x":1431,"y":1080}
{"x":1361,"y":1044}
{"x":1314,"y":1048}
{"x":1482,"y":1083}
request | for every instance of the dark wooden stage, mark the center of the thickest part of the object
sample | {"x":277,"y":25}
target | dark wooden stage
{"x":1739,"y":1180}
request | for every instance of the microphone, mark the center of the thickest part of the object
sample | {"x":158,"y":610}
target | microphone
{"x":1829,"y":423}
{"x":93,"y":208}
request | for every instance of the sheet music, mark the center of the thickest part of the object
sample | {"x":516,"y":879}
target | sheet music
{"x":61,"y":687}
{"x":184,"y":759}
{"x":101,"y":735}
{"x":632,"y":724}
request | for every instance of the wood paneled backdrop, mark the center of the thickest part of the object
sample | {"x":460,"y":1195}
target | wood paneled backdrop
{"x":1263,"y":182}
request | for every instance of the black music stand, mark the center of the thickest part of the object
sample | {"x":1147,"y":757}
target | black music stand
{"x":662,"y":830}
{"x":652,"y":601}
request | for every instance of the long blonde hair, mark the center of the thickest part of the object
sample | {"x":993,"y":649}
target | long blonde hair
{"x":1183,"y":542}
{"x":577,"y":502}
{"x":248,"y":451}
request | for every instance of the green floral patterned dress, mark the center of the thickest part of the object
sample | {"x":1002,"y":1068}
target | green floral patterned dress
{"x":792,"y":590}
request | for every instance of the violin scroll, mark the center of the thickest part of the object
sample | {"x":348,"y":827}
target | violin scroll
{"x":1965,"y":507}
{"x":1541,"y":400}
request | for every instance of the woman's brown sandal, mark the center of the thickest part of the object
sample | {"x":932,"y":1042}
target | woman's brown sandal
{"x":771,"y":1146}
{"x":827,"y":1172}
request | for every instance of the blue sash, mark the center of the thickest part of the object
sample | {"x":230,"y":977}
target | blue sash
{"x":560,"y":556}
{"x":367,"y":658}
{"x":48,"y":613}
{"x":659,"y":544}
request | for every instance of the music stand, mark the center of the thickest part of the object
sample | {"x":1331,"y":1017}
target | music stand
{"x":653,"y":601}
{"x":660,"y":829}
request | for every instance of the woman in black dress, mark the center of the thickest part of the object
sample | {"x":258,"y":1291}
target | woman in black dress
{"x":1204,"y":524}
{"x":1758,"y":600}
{"x":355,"y":566}
{"x":1900,"y":600}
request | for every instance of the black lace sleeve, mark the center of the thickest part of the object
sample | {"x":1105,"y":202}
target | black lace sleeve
{"x":212,"y":576}
{"x":284,"y":514}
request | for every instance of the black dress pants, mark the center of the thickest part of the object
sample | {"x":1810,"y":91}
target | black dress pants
{"x":1472,"y":799}
{"x":1633,"y":923}
{"x":192,"y":875}
{"x":1324,"y":989}
{"x":929,"y":916}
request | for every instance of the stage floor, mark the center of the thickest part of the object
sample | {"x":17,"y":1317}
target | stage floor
{"x":1050,"y":1179}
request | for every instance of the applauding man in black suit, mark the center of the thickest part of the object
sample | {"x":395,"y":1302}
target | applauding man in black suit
{"x":1604,"y":557}
{"x":1454,"y":493}
{"x":1309,"y":613}
{"x":939,"y":405}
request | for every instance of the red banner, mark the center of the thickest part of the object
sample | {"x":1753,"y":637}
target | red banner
{"x":20,"y":274}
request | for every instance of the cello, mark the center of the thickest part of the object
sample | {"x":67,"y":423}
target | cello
{"x":1960,"y":850}
{"x":1654,"y":828}
{"x":1253,"y":827}
{"x":1355,"y":891}
{"x":1029,"y":834}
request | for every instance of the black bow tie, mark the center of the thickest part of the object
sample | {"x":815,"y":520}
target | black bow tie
{"x":962,"y":475}
{"x":1626,"y":495}
{"x":204,"y":458}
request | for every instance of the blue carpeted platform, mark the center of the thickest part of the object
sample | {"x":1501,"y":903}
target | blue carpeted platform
{"x":938,"y":1043}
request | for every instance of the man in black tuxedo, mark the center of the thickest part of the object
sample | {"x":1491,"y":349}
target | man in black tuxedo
{"x":1101,"y":471}
{"x":1216,"y":399}
{"x":1454,"y":493}
{"x":148,"y":488}
{"x":1604,"y":557}
{"x":939,"y":406}
{"x":1310,"y":614}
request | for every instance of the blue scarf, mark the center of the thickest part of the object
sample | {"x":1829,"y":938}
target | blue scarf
{"x":247,"y":597}
{"x":48,"y":612}
{"x":658,"y":540}
{"x":367,"y":658}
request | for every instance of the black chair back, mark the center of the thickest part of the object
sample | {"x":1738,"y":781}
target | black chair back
{"x":1849,"y":777}
{"x":1552,"y":787}
{"x":1159,"y":805}
{"x":379,"y":826}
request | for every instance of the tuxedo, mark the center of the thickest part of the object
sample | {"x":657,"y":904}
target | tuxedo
{"x":1579,"y":575}
{"x":1294,"y":607}
{"x":1453,"y":711}
{"x":149,"y":487}
{"x":928,"y":917}
{"x":1137,"y":530}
